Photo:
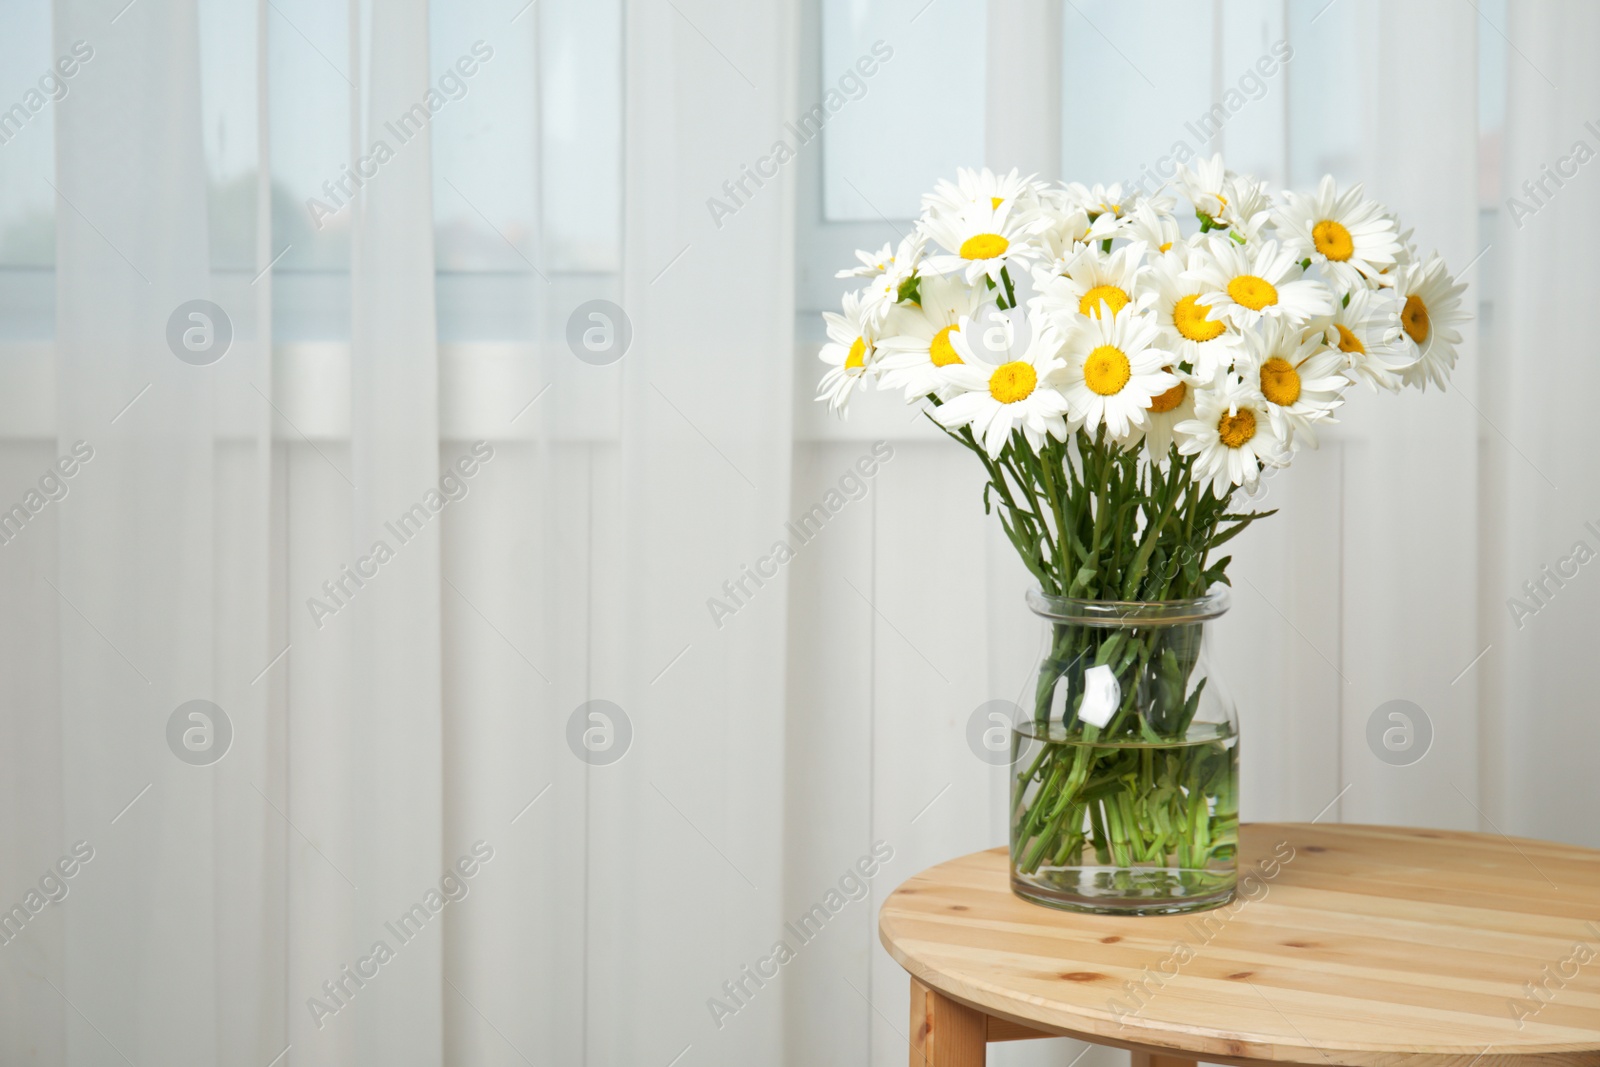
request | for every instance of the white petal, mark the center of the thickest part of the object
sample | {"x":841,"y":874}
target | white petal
{"x":1102,"y":694}
{"x":994,"y":439}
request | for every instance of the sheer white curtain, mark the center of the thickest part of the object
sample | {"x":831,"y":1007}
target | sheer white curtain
{"x":155,"y":591}
{"x":362,"y":762}
{"x":1408,"y":628}
{"x":1543,"y":492}
{"x":402,"y":768}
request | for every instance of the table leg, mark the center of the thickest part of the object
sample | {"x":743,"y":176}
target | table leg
{"x":944,"y":1033}
{"x":1156,"y":1059}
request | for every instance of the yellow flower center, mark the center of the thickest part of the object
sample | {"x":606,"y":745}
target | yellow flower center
{"x":984,"y":246}
{"x":941,"y":351}
{"x":1254,"y":293}
{"x":1191,"y":320}
{"x":1169,"y":399}
{"x":858,"y":354}
{"x":1414,"y":318}
{"x":996,"y":201}
{"x":1166,"y":247}
{"x":1349,"y":342}
{"x":1013,"y":381}
{"x":1090,"y":304}
{"x":1235,"y":430}
{"x":1333,"y":240}
{"x":1107,"y":370}
{"x":1280,"y":382}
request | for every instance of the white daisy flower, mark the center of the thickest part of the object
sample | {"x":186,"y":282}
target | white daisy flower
{"x":1093,"y":280}
{"x":1167,"y":410}
{"x":1156,"y":229}
{"x":1231,"y":436}
{"x":1114,"y":372}
{"x":981,"y":187}
{"x":994,"y":398}
{"x":871,"y":263}
{"x":1430,"y":311}
{"x":980,"y":241}
{"x":887,"y":272}
{"x":1100,"y":199}
{"x":1248,"y":210}
{"x":1301,"y":378}
{"x":1402,"y":259}
{"x":1112,"y":200}
{"x":1225,"y":200}
{"x":1249,"y":284}
{"x":1206,"y":186}
{"x":1351,"y":238}
{"x":1069,"y":230}
{"x":912,"y":357}
{"x":881,"y":294}
{"x":850,"y":353}
{"x":1205,"y":342}
{"x":1365,"y":327}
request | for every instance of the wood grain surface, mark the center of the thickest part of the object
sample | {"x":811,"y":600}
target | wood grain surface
{"x":1351,"y":945}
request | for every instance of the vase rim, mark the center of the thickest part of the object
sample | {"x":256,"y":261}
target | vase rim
{"x":1088,"y":612}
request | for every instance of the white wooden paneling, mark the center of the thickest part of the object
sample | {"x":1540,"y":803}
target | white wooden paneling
{"x":1410,"y":544}
{"x":32,"y":1018}
{"x":319,"y":831}
{"x":515,"y":667}
{"x":1277,"y":649}
{"x":829,"y":757}
{"x":930,"y":793}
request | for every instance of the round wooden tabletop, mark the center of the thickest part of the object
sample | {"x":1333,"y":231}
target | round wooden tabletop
{"x":1353,"y":945}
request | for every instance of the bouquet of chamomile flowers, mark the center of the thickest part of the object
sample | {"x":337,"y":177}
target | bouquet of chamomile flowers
{"x":1121,"y":371}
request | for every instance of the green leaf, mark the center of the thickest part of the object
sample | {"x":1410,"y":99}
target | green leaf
{"x":1081,"y":580}
{"x":911,"y":289}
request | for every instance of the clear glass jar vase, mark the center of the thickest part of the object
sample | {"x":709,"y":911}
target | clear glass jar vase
{"x":1125,"y":795}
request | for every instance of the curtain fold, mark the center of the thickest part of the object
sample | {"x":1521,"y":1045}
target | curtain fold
{"x":159,"y":590}
{"x":686,"y":847}
{"x":1408,"y":539}
{"x":365,"y":756}
{"x":1541,"y":601}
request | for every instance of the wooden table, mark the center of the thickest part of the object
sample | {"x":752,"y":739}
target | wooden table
{"x":1347,"y":945}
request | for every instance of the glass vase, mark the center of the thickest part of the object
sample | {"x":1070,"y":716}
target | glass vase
{"x":1125,"y":795}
